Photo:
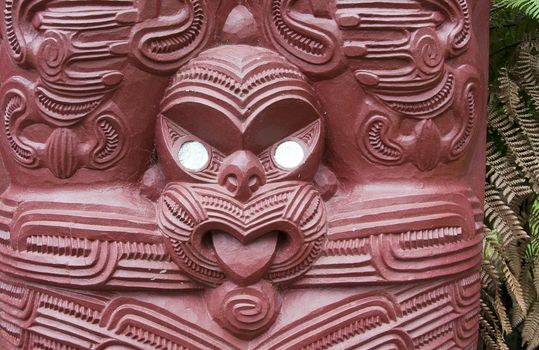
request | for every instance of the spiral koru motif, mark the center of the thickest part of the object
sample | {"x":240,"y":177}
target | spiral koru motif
{"x":245,"y":311}
{"x":428,"y":51}
{"x":52,"y":54}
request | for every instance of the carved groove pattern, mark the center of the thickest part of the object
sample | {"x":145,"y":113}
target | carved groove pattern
{"x":62,"y":110}
{"x":433,"y":104}
{"x":471,"y":121}
{"x":14,"y":107}
{"x":378,"y":145}
{"x":308,"y":44}
{"x":262,"y":175}
{"x":357,"y":317}
{"x":12,"y":38}
{"x":295,"y":39}
{"x":177,"y":41}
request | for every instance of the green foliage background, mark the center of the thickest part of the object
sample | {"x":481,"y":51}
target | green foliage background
{"x":510,"y":272}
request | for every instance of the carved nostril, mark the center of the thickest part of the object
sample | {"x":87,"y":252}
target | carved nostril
{"x":231,"y":183}
{"x":255,"y":182}
{"x":242,"y":174}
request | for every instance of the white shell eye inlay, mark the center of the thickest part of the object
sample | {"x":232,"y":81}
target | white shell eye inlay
{"x":193,"y":156}
{"x":289,"y":155}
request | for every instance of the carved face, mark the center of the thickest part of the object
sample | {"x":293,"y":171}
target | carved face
{"x":240,"y":138}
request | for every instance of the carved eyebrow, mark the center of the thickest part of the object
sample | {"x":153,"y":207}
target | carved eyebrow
{"x":278,"y":121}
{"x":208,"y":124}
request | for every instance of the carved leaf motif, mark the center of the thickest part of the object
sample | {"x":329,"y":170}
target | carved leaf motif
{"x":428,"y":147}
{"x":431,"y":104}
{"x":62,"y":153}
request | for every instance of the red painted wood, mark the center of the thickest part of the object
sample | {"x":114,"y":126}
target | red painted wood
{"x":110,"y":240}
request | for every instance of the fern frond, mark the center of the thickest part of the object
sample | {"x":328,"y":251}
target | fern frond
{"x":501,"y":312}
{"x":502,"y":218}
{"x":502,"y":173}
{"x":513,"y":255}
{"x":514,"y":288}
{"x":530,"y":331}
{"x":518,"y":145}
{"x":536,"y":276}
{"x":490,"y":280}
{"x":488,"y":335}
{"x":527,"y":71}
{"x":528,"y":7}
{"x":508,"y":94}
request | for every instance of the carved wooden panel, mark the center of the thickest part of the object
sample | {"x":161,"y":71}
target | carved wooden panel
{"x":259,"y":174}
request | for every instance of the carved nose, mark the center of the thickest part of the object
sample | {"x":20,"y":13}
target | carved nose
{"x":242,"y":174}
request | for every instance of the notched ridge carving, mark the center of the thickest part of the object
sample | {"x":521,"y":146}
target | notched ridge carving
{"x":58,"y":245}
{"x":162,"y":45}
{"x":65,"y":110}
{"x":14,"y":111}
{"x":440,"y":101}
{"x":311,"y":44}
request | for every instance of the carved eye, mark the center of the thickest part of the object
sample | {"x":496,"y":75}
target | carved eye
{"x":193,"y":156}
{"x":289,"y":154}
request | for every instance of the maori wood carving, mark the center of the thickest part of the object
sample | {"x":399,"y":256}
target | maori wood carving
{"x":223,"y":174}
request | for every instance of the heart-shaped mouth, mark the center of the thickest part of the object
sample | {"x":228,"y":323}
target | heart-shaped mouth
{"x":244,"y":263}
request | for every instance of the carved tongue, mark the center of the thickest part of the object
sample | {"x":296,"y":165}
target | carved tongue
{"x":244,"y":264}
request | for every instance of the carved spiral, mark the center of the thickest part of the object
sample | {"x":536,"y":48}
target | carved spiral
{"x":245,"y":311}
{"x":52,"y":54}
{"x":164,"y":43}
{"x":246,"y":308}
{"x":428,"y":52}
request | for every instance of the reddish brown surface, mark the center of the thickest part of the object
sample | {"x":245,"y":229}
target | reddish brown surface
{"x":373,"y":242}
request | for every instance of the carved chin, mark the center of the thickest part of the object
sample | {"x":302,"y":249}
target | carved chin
{"x":276,"y":235}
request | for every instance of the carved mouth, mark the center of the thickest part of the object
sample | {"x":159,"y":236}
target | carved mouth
{"x":245,"y":215}
{"x":65,"y":109}
{"x":277,"y":235}
{"x":244,"y":263}
{"x":176,"y":211}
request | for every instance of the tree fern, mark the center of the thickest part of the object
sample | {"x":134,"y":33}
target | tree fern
{"x":510,"y":272}
{"x":528,"y":7}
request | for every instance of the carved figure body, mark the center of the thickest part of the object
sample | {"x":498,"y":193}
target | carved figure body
{"x":277,"y":174}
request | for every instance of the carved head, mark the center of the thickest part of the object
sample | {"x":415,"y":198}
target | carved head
{"x":239,"y":138}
